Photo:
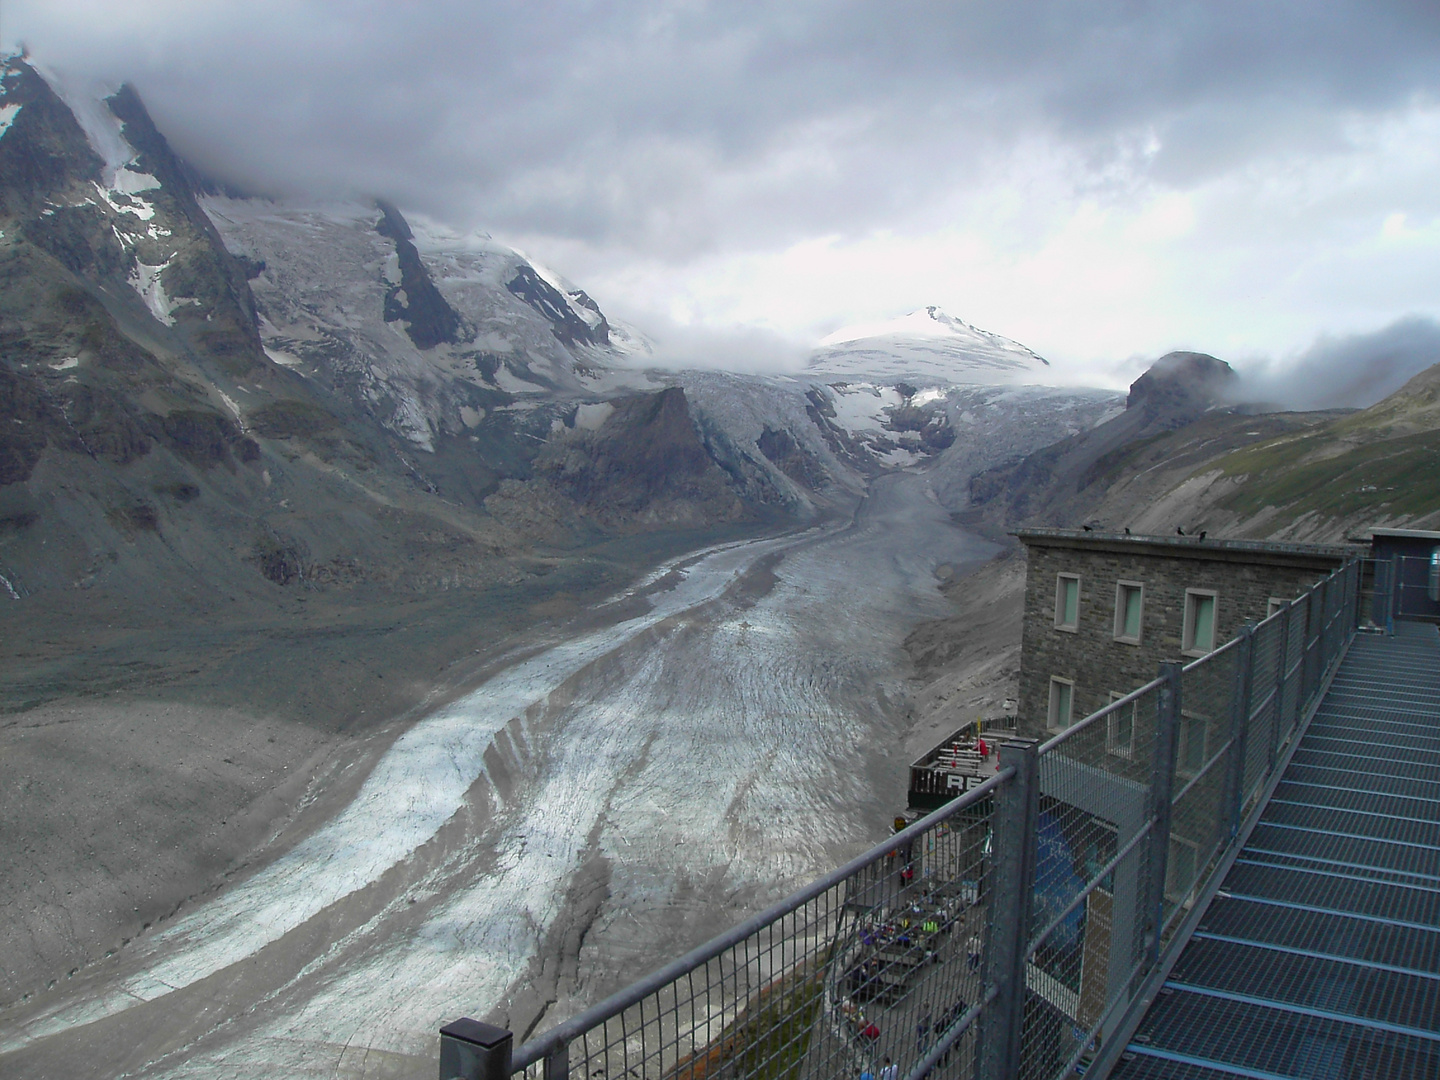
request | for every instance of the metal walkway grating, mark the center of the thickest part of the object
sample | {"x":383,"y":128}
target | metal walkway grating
{"x":1320,"y":955}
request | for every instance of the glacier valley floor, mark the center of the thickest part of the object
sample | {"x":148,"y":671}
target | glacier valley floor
{"x":591,"y":808}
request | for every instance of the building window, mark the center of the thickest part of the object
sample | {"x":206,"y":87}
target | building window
{"x":1120,"y":729}
{"x":1274,"y":604}
{"x":1129,"y":602}
{"x":1199,"y":636}
{"x":1067,"y":602}
{"x":1062,"y":698}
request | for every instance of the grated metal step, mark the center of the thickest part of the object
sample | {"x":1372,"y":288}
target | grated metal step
{"x":1320,"y":956}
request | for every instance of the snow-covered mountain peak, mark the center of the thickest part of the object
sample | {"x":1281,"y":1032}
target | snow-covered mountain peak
{"x":928,"y":322}
{"x":929,"y":345}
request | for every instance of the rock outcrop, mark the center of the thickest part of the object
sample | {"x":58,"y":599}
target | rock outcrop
{"x":1048,"y":486}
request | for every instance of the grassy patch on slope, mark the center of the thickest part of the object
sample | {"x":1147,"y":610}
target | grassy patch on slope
{"x":1393,"y":476}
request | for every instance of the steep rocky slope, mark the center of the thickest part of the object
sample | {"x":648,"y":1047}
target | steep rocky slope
{"x":1233,"y":471}
{"x":1315,"y":476}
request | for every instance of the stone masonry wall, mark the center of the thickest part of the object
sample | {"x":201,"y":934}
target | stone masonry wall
{"x":1099,"y":664}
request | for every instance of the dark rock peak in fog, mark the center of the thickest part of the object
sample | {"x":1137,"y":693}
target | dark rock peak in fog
{"x":569,"y":327}
{"x":154,"y":153}
{"x":1181,"y":385}
{"x":43,"y":147}
{"x":429,"y":319}
{"x":183,"y":184}
{"x":1044,"y":487}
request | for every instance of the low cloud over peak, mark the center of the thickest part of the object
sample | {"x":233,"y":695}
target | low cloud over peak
{"x":691,"y":147}
{"x":1350,"y":371}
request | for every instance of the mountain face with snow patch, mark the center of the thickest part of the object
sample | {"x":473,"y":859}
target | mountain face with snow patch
{"x":282,"y":379}
{"x":198,"y":390}
{"x":929,"y":345}
{"x":930,"y":391}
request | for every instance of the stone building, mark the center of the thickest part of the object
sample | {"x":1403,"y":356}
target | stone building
{"x":1102,"y":610}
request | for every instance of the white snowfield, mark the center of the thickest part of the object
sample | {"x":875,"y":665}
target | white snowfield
{"x":930,"y":346}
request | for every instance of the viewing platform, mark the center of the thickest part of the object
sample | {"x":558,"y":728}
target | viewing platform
{"x":1319,"y":956}
{"x":963,"y":761}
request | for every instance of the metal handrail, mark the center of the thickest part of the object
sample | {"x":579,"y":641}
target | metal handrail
{"x":1081,"y":725}
{"x":564,"y":1033}
{"x":1213,"y":654}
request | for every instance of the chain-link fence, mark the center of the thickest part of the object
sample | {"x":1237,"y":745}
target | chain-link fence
{"x":877,"y":964}
{"x":1012,"y":932}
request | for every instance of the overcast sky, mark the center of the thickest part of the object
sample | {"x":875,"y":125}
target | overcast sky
{"x":1102,"y":180}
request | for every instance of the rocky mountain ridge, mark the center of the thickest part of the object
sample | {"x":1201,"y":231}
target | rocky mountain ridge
{"x":1185,"y":455}
{"x":150,"y":393}
{"x":316,"y":388}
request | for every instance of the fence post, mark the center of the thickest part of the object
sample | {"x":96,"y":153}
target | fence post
{"x":1352,"y":602}
{"x":1352,"y":598}
{"x":1392,"y":602}
{"x":1016,"y":820}
{"x":1380,"y":594}
{"x":1314,"y":634}
{"x":471,"y":1050}
{"x":1240,"y":726}
{"x":557,"y":1063}
{"x":1337,"y":618}
{"x":1162,"y":783}
{"x":1347,"y":613}
{"x":1281,"y":689}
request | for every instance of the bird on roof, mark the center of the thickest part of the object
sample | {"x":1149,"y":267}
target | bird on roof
{"x":1127,"y":530}
{"x":1087,"y":528}
{"x":1179,"y":531}
{"x":1202,"y":534}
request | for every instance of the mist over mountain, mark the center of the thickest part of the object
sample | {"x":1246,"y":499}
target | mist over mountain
{"x":1346,"y":371}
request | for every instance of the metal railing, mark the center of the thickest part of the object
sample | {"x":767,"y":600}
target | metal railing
{"x":1141,"y":803}
{"x":1402,"y":587}
{"x":1017,"y":931}
{"x":872,"y":961}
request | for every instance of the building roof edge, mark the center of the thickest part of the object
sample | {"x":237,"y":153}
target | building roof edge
{"x":1186,"y":546}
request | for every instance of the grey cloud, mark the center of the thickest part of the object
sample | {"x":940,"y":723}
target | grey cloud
{"x":676,"y":347}
{"x":679,"y":127}
{"x":1352,"y":371}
